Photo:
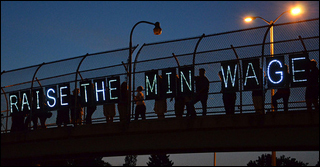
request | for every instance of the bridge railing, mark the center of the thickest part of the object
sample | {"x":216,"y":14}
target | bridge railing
{"x":204,"y":51}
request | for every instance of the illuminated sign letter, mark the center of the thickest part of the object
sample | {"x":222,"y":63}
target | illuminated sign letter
{"x":25,"y":96}
{"x":113,"y":89}
{"x":251,"y":74}
{"x":100,"y":92}
{"x":299,"y":70}
{"x":14,"y":102}
{"x":51,"y":93}
{"x":38,"y":99}
{"x":151,"y":84}
{"x":84,"y":86}
{"x":229,"y":69}
{"x":87,"y":93}
{"x":169,"y":86}
{"x":275,"y":72}
{"x":64,"y":94}
{"x":186,"y":75}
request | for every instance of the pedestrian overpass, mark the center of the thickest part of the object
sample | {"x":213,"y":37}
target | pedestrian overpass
{"x":296,"y":130}
{"x":274,"y":131}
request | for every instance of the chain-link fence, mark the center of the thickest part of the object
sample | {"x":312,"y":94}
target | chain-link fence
{"x":204,"y":51}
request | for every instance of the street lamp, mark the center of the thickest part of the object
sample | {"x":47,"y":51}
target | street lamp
{"x":293,"y":11}
{"x":157,"y":31}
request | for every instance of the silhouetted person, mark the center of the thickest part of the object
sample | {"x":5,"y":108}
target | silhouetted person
{"x":140,"y":104}
{"x":17,"y":119}
{"x":258,"y":95}
{"x":283,"y":92}
{"x":202,"y":89}
{"x":76,"y":108}
{"x":160,"y":104}
{"x":32,"y":117}
{"x":63,"y":117}
{"x":109,"y":111}
{"x":179,"y":102}
{"x":229,"y":98}
{"x":312,"y":89}
{"x":124,"y":113}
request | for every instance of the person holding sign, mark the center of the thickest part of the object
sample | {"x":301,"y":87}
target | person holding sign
{"x":202,"y":89}
{"x":140,"y":105}
{"x":229,"y":97}
{"x":283,"y":92}
{"x":312,"y":89}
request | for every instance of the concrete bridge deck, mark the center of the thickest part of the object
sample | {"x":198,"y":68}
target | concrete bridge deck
{"x":280,"y":131}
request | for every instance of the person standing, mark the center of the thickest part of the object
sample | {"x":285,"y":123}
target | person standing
{"x":312,"y":89}
{"x":140,"y":104}
{"x":258,"y":96}
{"x":160,"y":103}
{"x":283,"y":92}
{"x":124,"y":113}
{"x":76,"y":108}
{"x":229,"y":97}
{"x":202,"y":89}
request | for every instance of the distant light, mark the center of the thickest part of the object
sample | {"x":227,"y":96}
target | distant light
{"x":248,"y":19}
{"x":295,"y":11}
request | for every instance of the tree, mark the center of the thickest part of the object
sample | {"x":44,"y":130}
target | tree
{"x":159,"y":160}
{"x":130,"y":160}
{"x":88,"y":161}
{"x":265,"y":160}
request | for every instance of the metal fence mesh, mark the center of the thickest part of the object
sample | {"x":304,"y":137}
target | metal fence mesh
{"x":209,"y":51}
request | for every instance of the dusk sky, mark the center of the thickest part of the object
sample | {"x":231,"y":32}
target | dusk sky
{"x":37,"y":32}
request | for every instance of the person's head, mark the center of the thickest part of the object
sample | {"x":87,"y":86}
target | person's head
{"x":220,"y":74}
{"x":286,"y":68}
{"x":313,"y":63}
{"x":124,"y":85}
{"x":139,"y":88}
{"x":76,"y":91}
{"x":202,"y":71}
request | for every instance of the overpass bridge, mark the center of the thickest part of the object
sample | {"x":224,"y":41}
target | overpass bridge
{"x":273,"y":131}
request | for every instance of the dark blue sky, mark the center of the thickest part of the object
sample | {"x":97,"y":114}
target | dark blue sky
{"x":37,"y":32}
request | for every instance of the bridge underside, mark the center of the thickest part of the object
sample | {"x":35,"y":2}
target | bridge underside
{"x":281,"y":131}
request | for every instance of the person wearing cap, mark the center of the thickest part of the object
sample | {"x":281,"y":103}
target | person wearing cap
{"x":202,"y":89}
{"x":140,"y":104}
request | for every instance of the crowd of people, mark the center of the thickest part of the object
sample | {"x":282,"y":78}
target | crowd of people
{"x":74,"y":114}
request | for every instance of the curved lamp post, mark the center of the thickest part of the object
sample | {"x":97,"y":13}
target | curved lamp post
{"x":157,"y":31}
{"x":293,"y":11}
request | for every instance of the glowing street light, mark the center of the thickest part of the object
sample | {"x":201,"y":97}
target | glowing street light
{"x":294,"y":11}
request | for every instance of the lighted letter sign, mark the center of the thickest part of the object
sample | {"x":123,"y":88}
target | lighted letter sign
{"x":113,"y":89}
{"x":64,"y":92}
{"x":169,"y":82}
{"x":25,"y":101}
{"x":276,"y":72}
{"x":100,"y":91}
{"x":51,"y":94}
{"x":38,"y":99}
{"x":299,"y":70}
{"x":87,"y":93}
{"x":230,"y":76}
{"x":251,"y":74}
{"x":186,"y":80}
{"x":151,"y":84}
{"x":14,"y":102}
